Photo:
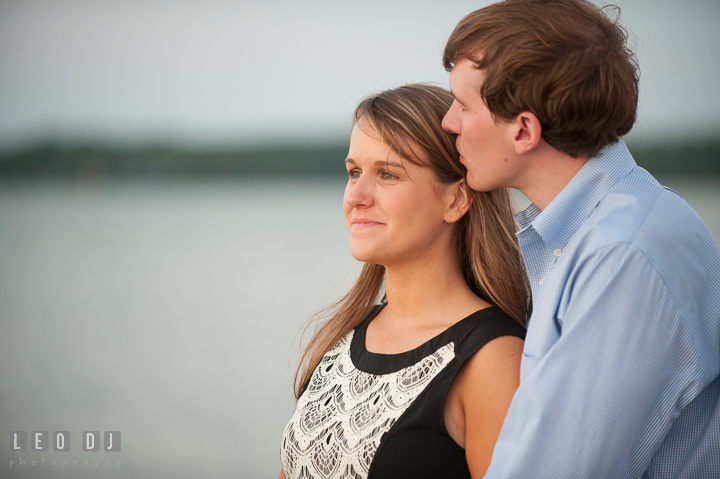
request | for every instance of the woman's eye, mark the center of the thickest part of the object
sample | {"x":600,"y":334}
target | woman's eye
{"x":386,"y":175}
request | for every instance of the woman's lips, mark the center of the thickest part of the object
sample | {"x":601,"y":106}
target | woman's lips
{"x":358,"y":224}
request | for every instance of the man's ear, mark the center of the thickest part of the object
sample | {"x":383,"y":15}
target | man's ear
{"x":460,"y":201}
{"x":526,"y":131}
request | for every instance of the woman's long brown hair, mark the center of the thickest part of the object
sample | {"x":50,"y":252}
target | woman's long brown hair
{"x":409,"y":119}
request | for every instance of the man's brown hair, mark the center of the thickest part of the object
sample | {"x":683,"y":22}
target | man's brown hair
{"x":566,"y":61}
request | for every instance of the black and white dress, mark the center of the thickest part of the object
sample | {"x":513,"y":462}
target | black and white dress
{"x":367,"y":415}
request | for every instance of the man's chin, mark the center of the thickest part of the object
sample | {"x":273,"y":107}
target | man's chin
{"x":476,"y":184}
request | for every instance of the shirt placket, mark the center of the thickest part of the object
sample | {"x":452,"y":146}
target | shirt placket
{"x":538,"y":258}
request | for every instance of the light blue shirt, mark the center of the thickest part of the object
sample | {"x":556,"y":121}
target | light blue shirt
{"x":619,"y":374}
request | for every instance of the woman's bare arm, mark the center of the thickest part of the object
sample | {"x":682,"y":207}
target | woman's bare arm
{"x":485,"y":386}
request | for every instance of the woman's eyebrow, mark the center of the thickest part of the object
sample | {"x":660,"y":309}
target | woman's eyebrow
{"x":349,"y":160}
{"x":388,"y":163}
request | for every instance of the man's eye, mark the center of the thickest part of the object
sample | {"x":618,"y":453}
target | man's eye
{"x":354,"y":174}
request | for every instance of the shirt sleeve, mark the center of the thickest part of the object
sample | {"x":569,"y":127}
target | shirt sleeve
{"x":623,"y":367}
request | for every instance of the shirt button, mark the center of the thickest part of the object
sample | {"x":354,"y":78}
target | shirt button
{"x":557,"y":253}
{"x":542,"y":280}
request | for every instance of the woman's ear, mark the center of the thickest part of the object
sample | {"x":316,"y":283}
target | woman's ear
{"x":460,"y":200}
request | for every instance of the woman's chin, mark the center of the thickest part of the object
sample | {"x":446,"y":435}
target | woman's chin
{"x":365,"y":255}
{"x":362,"y":257}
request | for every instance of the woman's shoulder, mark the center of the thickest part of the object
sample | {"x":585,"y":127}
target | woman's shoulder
{"x":483,"y":326}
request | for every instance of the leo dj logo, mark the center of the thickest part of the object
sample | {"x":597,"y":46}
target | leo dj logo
{"x":40,"y":441}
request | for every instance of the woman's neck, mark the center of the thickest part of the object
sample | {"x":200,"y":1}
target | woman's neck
{"x":429,"y":291}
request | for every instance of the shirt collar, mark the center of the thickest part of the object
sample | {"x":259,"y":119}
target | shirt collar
{"x":566,"y":212}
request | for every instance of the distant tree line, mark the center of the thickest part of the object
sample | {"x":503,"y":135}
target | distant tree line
{"x":686,"y":159}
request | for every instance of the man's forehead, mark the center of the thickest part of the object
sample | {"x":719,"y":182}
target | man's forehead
{"x":465,"y":78}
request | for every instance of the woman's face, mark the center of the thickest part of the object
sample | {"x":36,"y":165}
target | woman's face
{"x":395,"y":210}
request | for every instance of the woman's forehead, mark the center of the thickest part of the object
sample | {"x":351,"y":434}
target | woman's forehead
{"x":397,"y":145}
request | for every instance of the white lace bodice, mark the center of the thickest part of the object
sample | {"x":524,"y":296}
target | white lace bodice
{"x":342,"y":415}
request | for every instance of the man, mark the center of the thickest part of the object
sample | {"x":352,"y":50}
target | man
{"x":620,"y":367}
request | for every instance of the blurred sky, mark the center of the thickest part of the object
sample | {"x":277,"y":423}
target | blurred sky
{"x":220,"y":72}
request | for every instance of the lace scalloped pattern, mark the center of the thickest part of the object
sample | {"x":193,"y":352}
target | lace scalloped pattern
{"x":341,"y":417}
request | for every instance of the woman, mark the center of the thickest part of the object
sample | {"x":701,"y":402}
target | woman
{"x":418,"y":385}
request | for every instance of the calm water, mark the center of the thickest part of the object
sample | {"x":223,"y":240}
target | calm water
{"x":169,"y":311}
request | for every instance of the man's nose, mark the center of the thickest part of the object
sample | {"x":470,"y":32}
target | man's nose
{"x":450,"y":122}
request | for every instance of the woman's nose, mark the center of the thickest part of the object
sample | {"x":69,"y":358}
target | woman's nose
{"x":360,"y":192}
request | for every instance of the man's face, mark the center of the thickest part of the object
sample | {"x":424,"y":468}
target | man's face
{"x":485,"y":147}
